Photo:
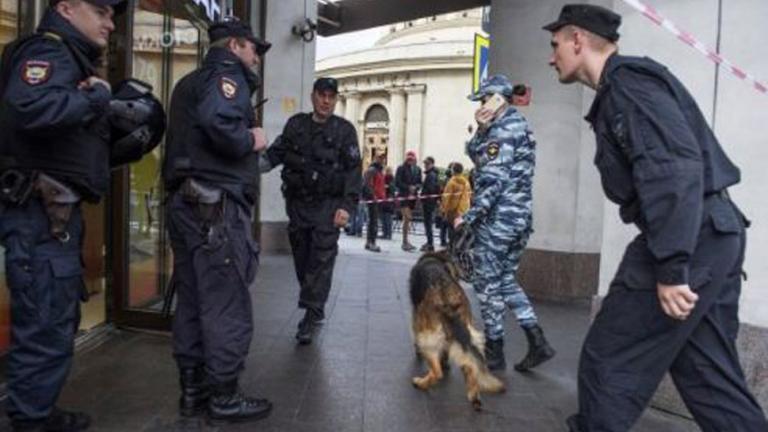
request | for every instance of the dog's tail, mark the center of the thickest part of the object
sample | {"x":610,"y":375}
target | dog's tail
{"x":462,"y":335}
{"x":471,"y":343}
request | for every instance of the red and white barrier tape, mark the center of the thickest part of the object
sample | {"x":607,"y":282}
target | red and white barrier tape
{"x":651,"y":13}
{"x":409,"y":198}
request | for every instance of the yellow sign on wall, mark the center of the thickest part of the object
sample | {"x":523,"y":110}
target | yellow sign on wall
{"x":482,"y":56}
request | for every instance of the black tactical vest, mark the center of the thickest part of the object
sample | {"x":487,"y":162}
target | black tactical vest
{"x":79,"y":156}
{"x":313,"y":165}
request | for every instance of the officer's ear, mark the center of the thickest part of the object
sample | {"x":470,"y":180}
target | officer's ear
{"x":65,"y":8}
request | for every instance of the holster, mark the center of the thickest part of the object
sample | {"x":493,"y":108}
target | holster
{"x":209,"y":201}
{"x":58,"y":200}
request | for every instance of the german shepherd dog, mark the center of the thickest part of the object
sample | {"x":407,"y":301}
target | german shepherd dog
{"x":442,"y":326}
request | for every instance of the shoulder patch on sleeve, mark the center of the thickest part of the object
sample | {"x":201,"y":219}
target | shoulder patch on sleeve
{"x":36,"y":72}
{"x":493,"y":150}
{"x":228,"y":87}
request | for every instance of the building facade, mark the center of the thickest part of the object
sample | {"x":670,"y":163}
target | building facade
{"x":408,"y":91}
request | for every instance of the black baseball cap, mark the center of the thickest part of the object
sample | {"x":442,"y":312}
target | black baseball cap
{"x":232,"y":27}
{"x":326,"y":83}
{"x":597,"y":19}
{"x":95,"y":2}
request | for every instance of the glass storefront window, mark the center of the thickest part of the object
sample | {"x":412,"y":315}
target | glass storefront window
{"x":168,"y":40}
{"x":9,"y":28}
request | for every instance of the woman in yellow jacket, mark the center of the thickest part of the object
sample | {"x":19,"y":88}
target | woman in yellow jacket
{"x":456,"y":195}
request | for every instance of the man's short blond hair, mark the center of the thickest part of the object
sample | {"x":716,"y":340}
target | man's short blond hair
{"x":595,"y":41}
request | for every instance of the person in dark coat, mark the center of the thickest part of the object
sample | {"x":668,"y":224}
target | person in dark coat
{"x":211,"y":171}
{"x":673,"y":304}
{"x":408,"y":183}
{"x":322,"y":182}
{"x":54,"y":154}
{"x":429,"y":188}
{"x":388,"y":207}
{"x":374,"y":192}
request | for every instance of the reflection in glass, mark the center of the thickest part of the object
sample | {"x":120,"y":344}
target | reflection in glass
{"x":165,"y":48}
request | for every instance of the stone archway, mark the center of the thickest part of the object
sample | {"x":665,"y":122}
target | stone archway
{"x":375,"y":134}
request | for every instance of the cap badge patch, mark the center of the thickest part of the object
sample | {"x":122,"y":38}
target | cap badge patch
{"x":228,"y":88}
{"x":36,"y":72}
{"x":492,"y":151}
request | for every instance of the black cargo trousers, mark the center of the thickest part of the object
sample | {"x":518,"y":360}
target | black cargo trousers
{"x":45,"y":280}
{"x":632,"y":343}
{"x":314,"y":243}
{"x":213,"y":266}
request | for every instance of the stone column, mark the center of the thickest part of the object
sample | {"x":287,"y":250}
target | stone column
{"x":352,"y":113}
{"x":341,"y":106}
{"x":414,"y":138}
{"x":396,"y":147}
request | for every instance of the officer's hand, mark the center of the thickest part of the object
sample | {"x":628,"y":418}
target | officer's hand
{"x":90,"y":82}
{"x":457,"y":222}
{"x":259,"y":139}
{"x":484,"y":117}
{"x":677,"y":301}
{"x":341,"y":218}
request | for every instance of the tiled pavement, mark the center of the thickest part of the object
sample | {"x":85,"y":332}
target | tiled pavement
{"x":355,"y":377}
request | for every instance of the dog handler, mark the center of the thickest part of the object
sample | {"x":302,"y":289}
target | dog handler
{"x":503,"y":151}
{"x":673,"y":304}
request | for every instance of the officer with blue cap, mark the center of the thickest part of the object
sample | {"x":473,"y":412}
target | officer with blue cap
{"x":503,"y":151}
{"x":496,"y":84}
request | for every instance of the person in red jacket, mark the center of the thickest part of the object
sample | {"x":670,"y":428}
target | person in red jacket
{"x":374,"y":190}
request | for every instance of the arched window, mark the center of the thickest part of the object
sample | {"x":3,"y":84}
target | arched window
{"x":377,"y":114}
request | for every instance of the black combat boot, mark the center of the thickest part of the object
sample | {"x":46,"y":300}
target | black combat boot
{"x":494,"y":354}
{"x":229,"y":404}
{"x":59,"y":421}
{"x":539,"y":350}
{"x":312,"y":319}
{"x":194,"y":391}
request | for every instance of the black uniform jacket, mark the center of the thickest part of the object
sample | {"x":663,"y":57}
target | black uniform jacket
{"x":406,"y":176}
{"x":306,"y":146}
{"x":48,"y":123}
{"x":431,"y":186}
{"x":209,"y":135}
{"x":657,"y":158}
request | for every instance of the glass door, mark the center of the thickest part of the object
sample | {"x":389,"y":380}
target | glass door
{"x":169,"y":39}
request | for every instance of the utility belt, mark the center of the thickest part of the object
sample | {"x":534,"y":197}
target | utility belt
{"x":58,"y":199}
{"x":208,"y":201}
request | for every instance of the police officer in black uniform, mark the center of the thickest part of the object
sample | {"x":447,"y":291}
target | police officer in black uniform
{"x":211,"y":172}
{"x":55,"y":151}
{"x":322,"y":182}
{"x":673,"y":304}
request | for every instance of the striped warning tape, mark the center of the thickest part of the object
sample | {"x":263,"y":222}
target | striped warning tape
{"x":651,"y":13}
{"x":410,"y":198}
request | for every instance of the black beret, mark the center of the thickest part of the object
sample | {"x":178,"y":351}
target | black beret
{"x":599,"y":20}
